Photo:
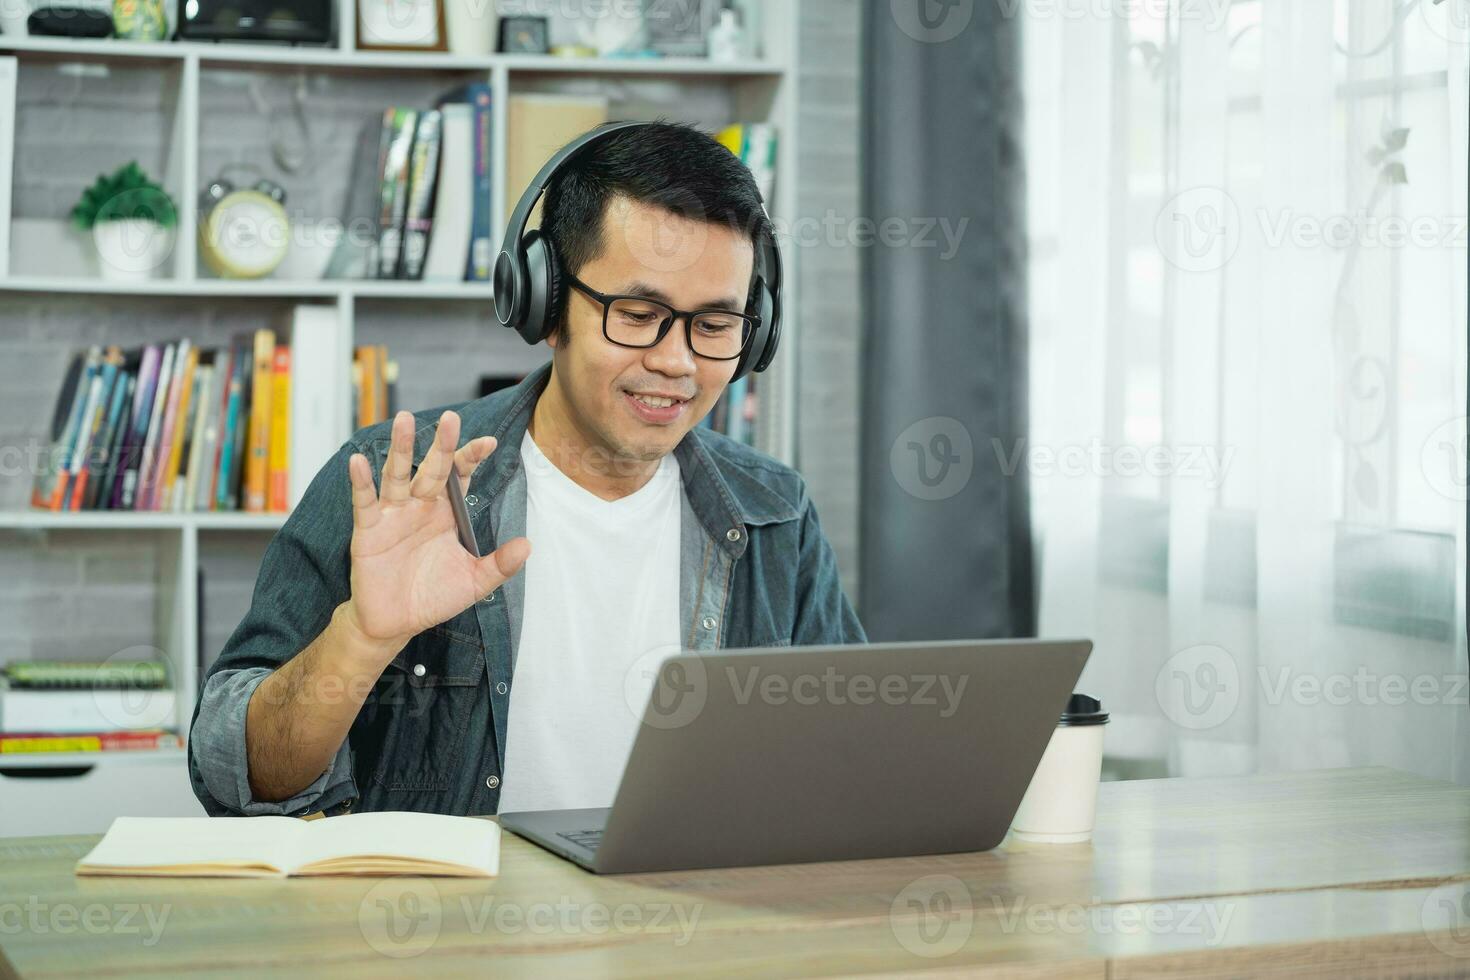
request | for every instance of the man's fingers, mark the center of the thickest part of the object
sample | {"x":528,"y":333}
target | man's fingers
{"x":428,"y":483}
{"x":400,"y":460}
{"x":470,"y":456}
{"x":492,"y":570}
{"x":364,"y":498}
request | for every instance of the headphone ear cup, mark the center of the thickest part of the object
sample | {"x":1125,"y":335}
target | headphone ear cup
{"x":770,"y":332}
{"x":763,"y":345}
{"x":544,"y":292}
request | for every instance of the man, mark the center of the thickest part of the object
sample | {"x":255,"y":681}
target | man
{"x":381,"y":666}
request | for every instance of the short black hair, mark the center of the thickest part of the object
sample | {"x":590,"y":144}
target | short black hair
{"x":677,"y":167}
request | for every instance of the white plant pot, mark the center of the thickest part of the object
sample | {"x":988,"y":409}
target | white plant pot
{"x":13,"y":17}
{"x":132,"y":248}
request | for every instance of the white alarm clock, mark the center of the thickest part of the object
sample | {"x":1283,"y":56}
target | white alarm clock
{"x":243,"y":232}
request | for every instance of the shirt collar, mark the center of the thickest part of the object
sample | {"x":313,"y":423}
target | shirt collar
{"x":724,"y":497}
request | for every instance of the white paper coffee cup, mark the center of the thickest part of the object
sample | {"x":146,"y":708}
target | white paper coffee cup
{"x":1061,"y":802}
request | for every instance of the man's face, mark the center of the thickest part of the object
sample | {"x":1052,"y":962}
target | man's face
{"x":689,"y":265}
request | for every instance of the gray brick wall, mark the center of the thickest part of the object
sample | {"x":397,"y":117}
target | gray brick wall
{"x":71,"y":126}
{"x":831,"y":326}
{"x":78,"y":595}
{"x":229,"y":560}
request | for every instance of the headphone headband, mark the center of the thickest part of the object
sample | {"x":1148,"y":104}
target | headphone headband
{"x":515,"y":229}
{"x":527,"y":279}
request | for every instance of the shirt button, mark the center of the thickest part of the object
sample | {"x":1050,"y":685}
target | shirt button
{"x":708,"y":622}
{"x":419,"y":670}
{"x":733,"y":534}
{"x":488,"y":599}
{"x":492,"y":781}
{"x":501,"y":688}
{"x":470,"y":500}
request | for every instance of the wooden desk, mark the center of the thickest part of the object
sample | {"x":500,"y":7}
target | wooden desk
{"x":1337,"y":872}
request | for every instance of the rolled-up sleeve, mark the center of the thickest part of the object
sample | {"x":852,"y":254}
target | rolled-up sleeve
{"x":303,"y":577}
{"x":217,"y":751}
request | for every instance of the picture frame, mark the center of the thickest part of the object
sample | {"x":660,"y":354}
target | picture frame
{"x":679,"y":28}
{"x":401,"y":25}
{"x":524,"y":35}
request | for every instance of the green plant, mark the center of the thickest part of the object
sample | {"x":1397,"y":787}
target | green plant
{"x":128,"y":193}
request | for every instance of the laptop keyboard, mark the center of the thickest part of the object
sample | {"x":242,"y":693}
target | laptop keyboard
{"x":584,"y":838}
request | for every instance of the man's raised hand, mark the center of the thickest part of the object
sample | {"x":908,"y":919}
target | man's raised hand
{"x":409,"y":569}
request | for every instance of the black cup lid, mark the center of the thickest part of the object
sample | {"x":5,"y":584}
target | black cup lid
{"x":1083,"y":710}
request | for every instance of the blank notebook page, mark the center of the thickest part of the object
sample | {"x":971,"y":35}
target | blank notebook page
{"x":145,"y":842}
{"x":431,"y":837}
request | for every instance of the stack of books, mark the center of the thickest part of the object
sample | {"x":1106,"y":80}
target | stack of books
{"x":86,"y":707}
{"x":433,"y":190}
{"x":173,"y":427}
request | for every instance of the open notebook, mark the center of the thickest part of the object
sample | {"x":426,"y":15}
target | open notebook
{"x":268,"y":847}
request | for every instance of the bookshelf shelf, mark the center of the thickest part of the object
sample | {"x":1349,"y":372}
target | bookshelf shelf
{"x":316,"y":56}
{"x":104,"y":520}
{"x":256,"y":288}
{"x":637,"y":66}
{"x":192,"y":116}
{"x":74,"y":760}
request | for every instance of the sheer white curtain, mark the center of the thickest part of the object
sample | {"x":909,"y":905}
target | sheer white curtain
{"x":1247,"y":292}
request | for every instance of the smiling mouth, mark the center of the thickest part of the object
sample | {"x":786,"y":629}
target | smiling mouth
{"x":657,"y":401}
{"x":656,"y":408}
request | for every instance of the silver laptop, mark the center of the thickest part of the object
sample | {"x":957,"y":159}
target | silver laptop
{"x":826,"y":753}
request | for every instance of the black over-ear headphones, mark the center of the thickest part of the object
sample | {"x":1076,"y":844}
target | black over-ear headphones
{"x":530,"y":292}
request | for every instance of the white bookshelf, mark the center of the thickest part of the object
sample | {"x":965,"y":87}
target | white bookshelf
{"x":752,"y":90}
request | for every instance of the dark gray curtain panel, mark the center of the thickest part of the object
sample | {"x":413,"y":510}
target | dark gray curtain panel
{"x":945,"y":522}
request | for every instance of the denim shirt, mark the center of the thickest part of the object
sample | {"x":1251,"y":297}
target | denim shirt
{"x":755,"y":570}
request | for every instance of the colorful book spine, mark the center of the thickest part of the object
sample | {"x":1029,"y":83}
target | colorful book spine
{"x":97,"y":400}
{"x":423,"y":174}
{"x":481,"y":249}
{"x":62,"y":411}
{"x":224,"y":373}
{"x":380,"y":379}
{"x":111,"y":674}
{"x":125,"y":741}
{"x":229,"y":436}
{"x":257,"y":463}
{"x":99,"y":493}
{"x":60,"y":462}
{"x":135,"y":496}
{"x":176,"y":430}
{"x":132,"y":448}
{"x":367,"y":393}
{"x":95,"y":473}
{"x":195,"y":451}
{"x":278,"y":469}
{"x":394,"y":195}
{"x":234,"y":491}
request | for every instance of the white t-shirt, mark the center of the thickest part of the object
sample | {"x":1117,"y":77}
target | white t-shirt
{"x":601,"y":595}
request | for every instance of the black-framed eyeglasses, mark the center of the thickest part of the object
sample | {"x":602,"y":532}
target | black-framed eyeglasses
{"x":636,"y":321}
